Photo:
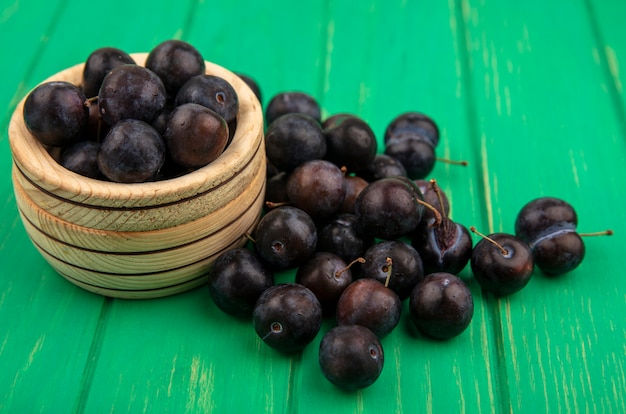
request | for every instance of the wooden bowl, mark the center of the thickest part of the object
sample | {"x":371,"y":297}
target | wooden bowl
{"x":141,"y":240}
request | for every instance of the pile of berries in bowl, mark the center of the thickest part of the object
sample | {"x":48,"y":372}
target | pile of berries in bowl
{"x":132,"y":172}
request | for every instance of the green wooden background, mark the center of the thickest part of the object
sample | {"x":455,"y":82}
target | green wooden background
{"x":530,"y":93}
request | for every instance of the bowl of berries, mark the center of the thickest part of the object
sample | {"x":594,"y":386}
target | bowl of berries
{"x":133,"y":172}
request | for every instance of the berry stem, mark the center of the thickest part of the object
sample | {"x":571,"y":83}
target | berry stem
{"x":433,"y":209}
{"x":492,"y":241}
{"x":597,"y":233}
{"x":357,"y":260}
{"x":389,"y":266}
{"x":271,"y":204}
{"x":91,"y":100}
{"x":454,"y":162}
{"x":437,"y":190}
{"x":249,"y":237}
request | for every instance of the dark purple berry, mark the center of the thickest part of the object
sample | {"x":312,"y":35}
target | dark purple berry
{"x":132,"y":152}
{"x":287,"y":317}
{"x":344,"y":237}
{"x":444,"y":246}
{"x":82,"y":158}
{"x":396,"y":263}
{"x":292,"y":102}
{"x":317,"y":187}
{"x":98,"y":64}
{"x":55,"y":113}
{"x":351,"y":357}
{"x":441,"y":306}
{"x":415,"y":152}
{"x":548,"y":225}
{"x":502,"y":263}
{"x":382,"y":166}
{"x":350,"y":143}
{"x":195,"y":135}
{"x":211,"y":91}
{"x":131,"y":92}
{"x":237,"y":279}
{"x":327,"y":276}
{"x":389,"y":208}
{"x":285,"y":237}
{"x":293,"y":139}
{"x":175,"y":62}
{"x":413,"y":122}
{"x":369,"y":303}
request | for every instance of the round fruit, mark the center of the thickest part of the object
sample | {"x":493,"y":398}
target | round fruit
{"x":287,"y":317}
{"x":502,"y":263}
{"x":131,"y":152}
{"x":285,"y":237}
{"x":389,"y":208}
{"x":55,"y":113}
{"x":131,"y":92}
{"x":351,"y":357}
{"x":369,"y":303}
{"x":195,"y":135}
{"x":237,"y":279}
{"x":175,"y":62}
{"x":441,"y":306}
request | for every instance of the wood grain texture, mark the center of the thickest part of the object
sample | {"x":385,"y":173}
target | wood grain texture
{"x":528,"y":93}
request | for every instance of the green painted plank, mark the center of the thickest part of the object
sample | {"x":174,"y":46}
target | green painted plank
{"x":608,"y":28}
{"x":281,"y":45}
{"x":546,"y":126}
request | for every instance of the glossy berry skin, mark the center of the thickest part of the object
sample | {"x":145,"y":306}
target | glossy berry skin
{"x":327,"y":276}
{"x":351,"y":357}
{"x":443,"y":247}
{"x":405,"y":271}
{"x":382,"y":166}
{"x":292,"y":102}
{"x":354,"y":185}
{"x":388,"y":208}
{"x":285,"y":237}
{"x":344,"y":237}
{"x":367,"y":302}
{"x":350,"y":143}
{"x":237,"y":279}
{"x":498,"y":272}
{"x":82,"y":158}
{"x":131,"y":92}
{"x":293,"y":139}
{"x":544,"y":215}
{"x":214,"y":92}
{"x":441,"y":306}
{"x":413,"y":122}
{"x":430,"y":196}
{"x":98,"y":64}
{"x":317,"y":187}
{"x":175,"y":62}
{"x":414,"y":151}
{"x":287,"y":317}
{"x":195,"y":135}
{"x":55,"y":113}
{"x":548,"y":225}
{"x":132,"y":152}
